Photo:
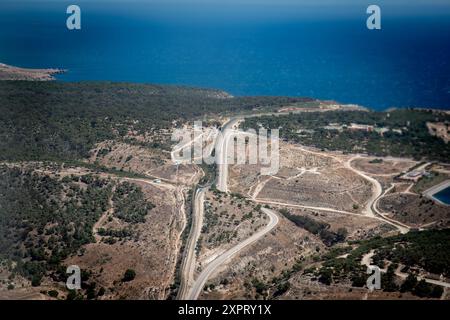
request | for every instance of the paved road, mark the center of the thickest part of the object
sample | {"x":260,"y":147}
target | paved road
{"x":189,"y":260}
{"x":190,"y":289}
{"x":191,"y":292}
{"x":222,"y":144}
{"x":216,"y":263}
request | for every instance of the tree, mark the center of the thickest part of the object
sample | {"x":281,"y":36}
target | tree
{"x":259,"y":286}
{"x":101,"y":292}
{"x":341,"y":234}
{"x":409,"y":284}
{"x":129,"y":275}
{"x":36,"y":280}
{"x":388,"y":280}
{"x":282,"y":288}
{"x":359,"y":280}
{"x":326,"y":276}
{"x":437,"y":292}
{"x":423,"y":289}
{"x":53,"y":293}
{"x":73,"y":295}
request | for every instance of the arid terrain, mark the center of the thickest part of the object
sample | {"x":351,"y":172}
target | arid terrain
{"x":105,"y":191}
{"x":149,"y":246}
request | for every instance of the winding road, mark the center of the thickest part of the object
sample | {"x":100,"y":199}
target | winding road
{"x":371,"y":209}
{"x":189,"y":260}
{"x":378,"y":190}
{"x":189,"y":288}
{"x":224,"y":257}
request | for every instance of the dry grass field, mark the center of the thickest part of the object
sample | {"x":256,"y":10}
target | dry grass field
{"x":150,"y":248}
{"x":415,"y":210}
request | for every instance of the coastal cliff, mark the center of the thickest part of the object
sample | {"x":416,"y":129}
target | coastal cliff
{"x":15,"y":73}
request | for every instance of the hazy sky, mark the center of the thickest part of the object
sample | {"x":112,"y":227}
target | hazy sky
{"x":247,"y":8}
{"x":267,"y":2}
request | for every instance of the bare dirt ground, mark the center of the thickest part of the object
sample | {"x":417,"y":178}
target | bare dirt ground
{"x":152,"y":254}
{"x":227,"y":220}
{"x":402,"y":187}
{"x":426,"y":183}
{"x":293,"y":162}
{"x":153,"y":162}
{"x":358,"y":228}
{"x":415,"y":210}
{"x":17,"y":287}
{"x":439,"y":129}
{"x":127,"y":157}
{"x":243,"y":178}
{"x":306,"y":287}
{"x":279,"y":251}
{"x":310,"y":178}
{"x":306,"y":178}
{"x":339,"y":189}
{"x":265,"y":259}
{"x":387,"y":167}
{"x":401,"y":201}
{"x":151,"y":250}
{"x":187,"y":174}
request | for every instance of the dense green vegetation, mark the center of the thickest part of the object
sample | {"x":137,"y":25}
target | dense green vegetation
{"x":316,"y":227}
{"x":429,"y":250}
{"x":45,"y":219}
{"x":338,"y":269}
{"x":311,"y":129}
{"x":54,"y":121}
{"x":129,"y":203}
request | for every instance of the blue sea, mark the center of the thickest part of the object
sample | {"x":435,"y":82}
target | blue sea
{"x":321,"y":52}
